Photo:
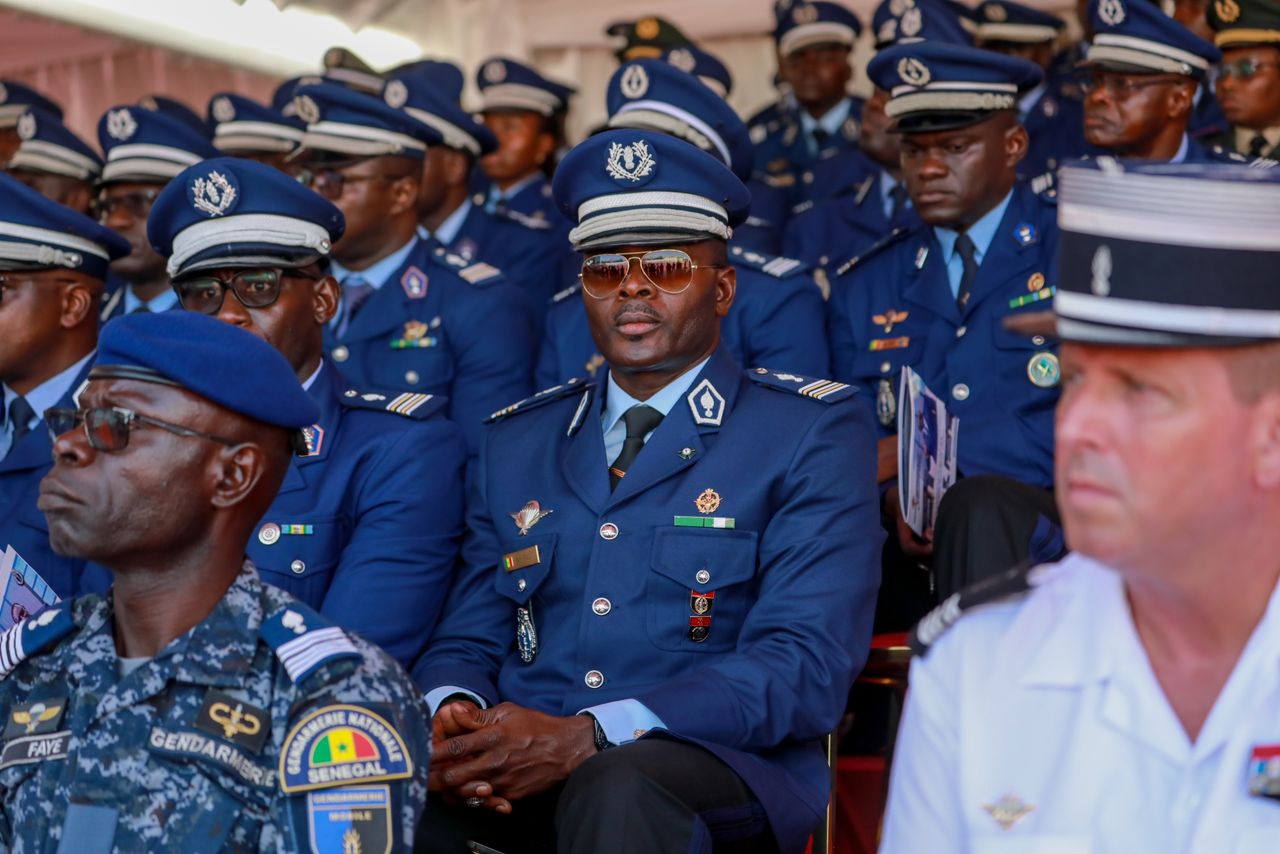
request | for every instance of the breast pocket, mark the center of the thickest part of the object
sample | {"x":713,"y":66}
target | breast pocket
{"x":423,"y":364}
{"x":300,"y":553}
{"x":1028,"y":368}
{"x":899,"y":348}
{"x":521,"y":571}
{"x":701,"y":585}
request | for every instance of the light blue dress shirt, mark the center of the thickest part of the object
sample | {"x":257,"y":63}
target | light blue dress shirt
{"x":1182,"y":150}
{"x":448,"y":230}
{"x":496,"y":194}
{"x":42,"y":397}
{"x":377,"y":273}
{"x":165,"y":300}
{"x":622,"y":720}
{"x":887,"y":183}
{"x":831,"y":122}
{"x":981,"y":233}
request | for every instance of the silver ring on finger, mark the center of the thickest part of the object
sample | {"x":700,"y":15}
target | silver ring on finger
{"x":475,"y":802}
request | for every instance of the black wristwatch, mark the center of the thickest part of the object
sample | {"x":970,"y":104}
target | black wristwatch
{"x":601,"y":740}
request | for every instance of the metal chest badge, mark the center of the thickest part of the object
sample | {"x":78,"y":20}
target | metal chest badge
{"x":526,"y":633}
{"x":528,"y":516}
{"x":1008,"y":811}
{"x":1043,"y":370}
{"x":708,"y":502}
{"x":886,"y":404}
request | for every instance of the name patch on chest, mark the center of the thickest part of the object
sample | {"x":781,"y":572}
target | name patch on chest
{"x":339,"y":745}
{"x":35,"y":748}
{"x":186,"y":744}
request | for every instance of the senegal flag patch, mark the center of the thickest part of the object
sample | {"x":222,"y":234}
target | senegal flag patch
{"x":341,"y":745}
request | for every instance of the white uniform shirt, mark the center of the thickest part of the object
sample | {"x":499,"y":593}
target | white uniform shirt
{"x":1048,"y":701}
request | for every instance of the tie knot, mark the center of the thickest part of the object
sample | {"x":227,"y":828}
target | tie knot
{"x":20,"y":416}
{"x":641,"y":420}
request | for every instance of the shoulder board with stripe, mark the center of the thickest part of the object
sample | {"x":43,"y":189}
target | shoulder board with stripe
{"x":109,"y":303}
{"x":556,"y":392}
{"x":1016,"y":582}
{"x":530,"y":222}
{"x":477,"y":273}
{"x":34,"y":635}
{"x":775,"y":265}
{"x":1263,"y":163}
{"x":410,"y":404}
{"x":1043,"y":183}
{"x":875,"y":249}
{"x":827,"y":391}
{"x":304,"y":641}
{"x":571,"y":291}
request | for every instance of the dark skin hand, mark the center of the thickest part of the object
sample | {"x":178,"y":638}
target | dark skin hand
{"x":294,"y":323}
{"x":955,"y":177}
{"x":507,"y":749}
{"x":167,"y":514}
{"x":819,"y":76}
{"x":142,"y":268}
{"x":1145,"y":119}
{"x":648,"y":337}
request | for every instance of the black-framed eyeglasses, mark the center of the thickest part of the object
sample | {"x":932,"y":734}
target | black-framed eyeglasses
{"x":1121,"y":87}
{"x":137,"y":204}
{"x":330,"y":181}
{"x":1243,"y":69}
{"x":253,"y":288}
{"x":107,"y":428}
{"x":669,"y":270}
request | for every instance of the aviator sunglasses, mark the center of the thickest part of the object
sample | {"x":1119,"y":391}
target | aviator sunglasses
{"x":669,"y":270}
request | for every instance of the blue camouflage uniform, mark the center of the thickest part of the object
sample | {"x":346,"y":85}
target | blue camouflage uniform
{"x":185,"y":753}
{"x":62,"y":235}
{"x":532,"y":252}
{"x":435,"y":323}
{"x":898,"y":304}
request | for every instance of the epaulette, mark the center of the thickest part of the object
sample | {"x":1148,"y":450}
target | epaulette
{"x":998,"y":588}
{"x":410,"y":404}
{"x":304,"y":641}
{"x":545,"y":396}
{"x":828,"y":391}
{"x":34,"y":635}
{"x":534,"y":223}
{"x":875,"y":249}
{"x":775,"y":265}
{"x":109,"y":303}
{"x":563,"y":295}
{"x":477,"y":273}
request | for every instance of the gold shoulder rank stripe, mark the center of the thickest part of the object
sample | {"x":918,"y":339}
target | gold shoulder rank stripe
{"x":478,"y":272}
{"x":407,"y":403}
{"x":820,"y":389}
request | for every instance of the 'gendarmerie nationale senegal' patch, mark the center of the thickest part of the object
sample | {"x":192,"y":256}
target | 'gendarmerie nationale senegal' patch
{"x":339,"y":745}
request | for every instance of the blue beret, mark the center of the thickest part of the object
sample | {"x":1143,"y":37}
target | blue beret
{"x":241,"y":125}
{"x":1161,"y":254}
{"x":1003,"y":21}
{"x":805,"y":24}
{"x":175,"y":109}
{"x":229,"y":212}
{"x":16,"y":97}
{"x":509,"y":85}
{"x":218,"y":361}
{"x":938,"y":86}
{"x":49,"y":146}
{"x":142,"y":145}
{"x":414,"y":95}
{"x":633,"y":187}
{"x":1139,"y":37}
{"x":649,"y":94}
{"x":706,"y":67}
{"x":344,"y":121}
{"x":899,"y":20}
{"x":37,"y":232}
{"x":445,"y":77}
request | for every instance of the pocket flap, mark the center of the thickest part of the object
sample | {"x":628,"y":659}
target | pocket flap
{"x":705,"y":558}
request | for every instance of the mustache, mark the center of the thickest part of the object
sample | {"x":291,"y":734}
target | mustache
{"x":631,"y":310}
